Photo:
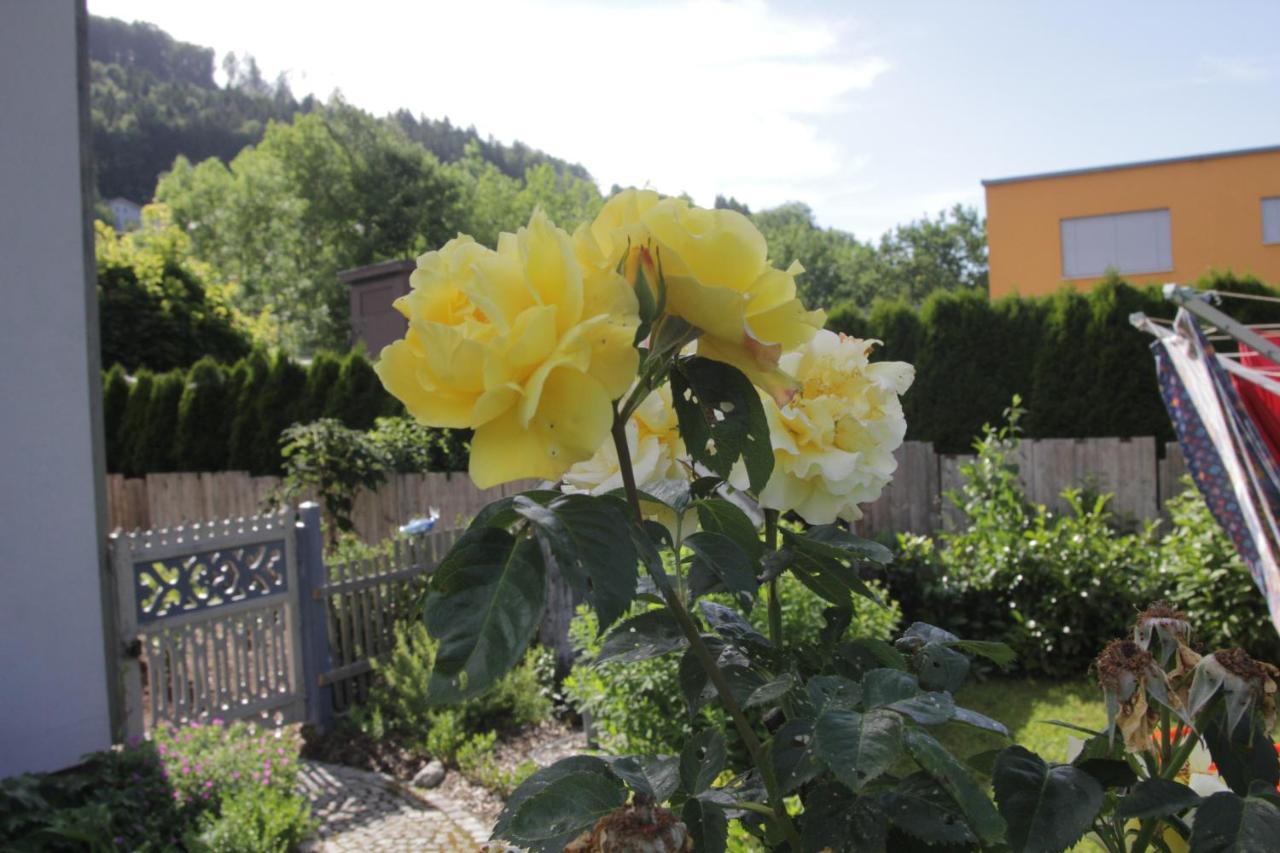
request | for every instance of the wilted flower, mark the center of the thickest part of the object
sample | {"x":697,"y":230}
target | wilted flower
{"x":1173,"y":631}
{"x":833,"y":443}
{"x":1127,"y":673}
{"x":718,"y":278}
{"x":1245,"y":683}
{"x":520,"y":344}
{"x":637,"y":828}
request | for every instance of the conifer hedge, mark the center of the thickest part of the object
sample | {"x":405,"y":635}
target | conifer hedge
{"x":217,"y":417}
{"x":1080,"y":368}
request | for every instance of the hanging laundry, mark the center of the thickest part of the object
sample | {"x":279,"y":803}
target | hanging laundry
{"x":1230,"y":462}
{"x":1262,"y":405}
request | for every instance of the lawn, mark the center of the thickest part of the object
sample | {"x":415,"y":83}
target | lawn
{"x":1025,"y":706}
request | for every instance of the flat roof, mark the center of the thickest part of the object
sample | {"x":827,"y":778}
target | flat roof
{"x":1266,"y":149}
{"x":379,"y":270}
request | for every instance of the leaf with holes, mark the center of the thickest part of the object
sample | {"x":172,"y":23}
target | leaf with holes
{"x":655,"y":776}
{"x":1227,"y":823}
{"x":643,"y":636}
{"x":927,"y":709}
{"x":1047,"y":807}
{"x":731,"y":624}
{"x":701,"y":761}
{"x":921,"y":807}
{"x":832,"y":691}
{"x":556,"y":814}
{"x":485,"y":604}
{"x":792,"y":755}
{"x":858,"y":747}
{"x":951,"y":773}
{"x":835,"y":821}
{"x":941,"y":668}
{"x":721,"y":418}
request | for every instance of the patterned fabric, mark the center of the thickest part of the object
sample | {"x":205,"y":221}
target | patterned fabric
{"x":1229,"y":461}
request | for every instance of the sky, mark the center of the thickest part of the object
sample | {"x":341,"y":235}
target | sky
{"x":872,"y":113}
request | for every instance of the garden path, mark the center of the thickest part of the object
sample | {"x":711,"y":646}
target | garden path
{"x":358,"y":810}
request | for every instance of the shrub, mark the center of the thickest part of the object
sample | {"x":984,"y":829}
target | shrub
{"x":1047,"y":584}
{"x":1205,"y":578}
{"x":255,"y":821}
{"x":245,"y":383}
{"x":398,"y":703}
{"x":275,"y":408}
{"x":357,"y":397}
{"x":155,"y":450}
{"x":414,"y":448}
{"x":322,"y":376}
{"x":133,"y":425}
{"x":334,"y":462}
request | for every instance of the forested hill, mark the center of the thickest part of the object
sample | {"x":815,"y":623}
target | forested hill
{"x":154,"y":97}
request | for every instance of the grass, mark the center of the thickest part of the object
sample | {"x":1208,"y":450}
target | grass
{"x":1025,"y":706}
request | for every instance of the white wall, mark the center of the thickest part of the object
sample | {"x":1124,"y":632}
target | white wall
{"x":53,"y":685}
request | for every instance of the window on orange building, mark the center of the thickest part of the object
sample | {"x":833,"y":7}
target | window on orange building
{"x":1137,"y":242}
{"x":1271,"y":220}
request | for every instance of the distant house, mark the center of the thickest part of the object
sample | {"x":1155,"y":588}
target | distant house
{"x":372,"y":291}
{"x":1152,"y":222}
{"x":125,"y":214}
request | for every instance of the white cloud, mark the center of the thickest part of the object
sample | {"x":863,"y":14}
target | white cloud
{"x":701,"y":96}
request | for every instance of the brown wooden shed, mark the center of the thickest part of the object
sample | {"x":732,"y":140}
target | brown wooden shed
{"x":372,"y":290}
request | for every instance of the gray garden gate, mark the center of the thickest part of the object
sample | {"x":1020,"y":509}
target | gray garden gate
{"x":209,"y":619}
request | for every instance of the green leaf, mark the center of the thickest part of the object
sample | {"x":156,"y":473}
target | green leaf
{"x":643,"y":636}
{"x":835,"y":821}
{"x":836,"y":620}
{"x":605,"y":563}
{"x":770,"y":692}
{"x":707,"y":825}
{"x":980,"y":721}
{"x":921,"y":807}
{"x":731,"y":624}
{"x":485,"y":604}
{"x":792,"y":754}
{"x":540,"y":780}
{"x":1047,"y":807}
{"x":855,"y":547}
{"x":656,"y":776}
{"x":998,"y":653}
{"x":721,"y":418}
{"x":701,"y":761}
{"x":502,"y":512}
{"x":927,"y":709}
{"x":826,"y":570}
{"x":832,"y":692}
{"x":563,"y":809}
{"x":885,"y":686}
{"x":858,"y":747}
{"x":1227,"y":823}
{"x":723,"y":558}
{"x":981,"y":815}
{"x":694,"y":684}
{"x":865,"y":654}
{"x":941,"y":668}
{"x":1247,"y":755}
{"x":1157,"y":798}
{"x":718,"y":515}
{"x":1110,"y":772}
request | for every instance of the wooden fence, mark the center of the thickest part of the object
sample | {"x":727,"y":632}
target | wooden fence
{"x":168,"y":500}
{"x":915,"y":501}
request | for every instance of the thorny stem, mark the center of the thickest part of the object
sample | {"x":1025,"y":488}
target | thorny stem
{"x":775,"y":606}
{"x":703,"y":654}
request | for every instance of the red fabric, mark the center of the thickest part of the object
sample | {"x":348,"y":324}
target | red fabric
{"x":1262,"y":405}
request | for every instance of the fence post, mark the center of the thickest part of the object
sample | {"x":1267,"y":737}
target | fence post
{"x":313,"y":616}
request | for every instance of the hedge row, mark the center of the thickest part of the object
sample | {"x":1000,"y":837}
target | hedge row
{"x":1082,"y":370}
{"x":215,"y":417}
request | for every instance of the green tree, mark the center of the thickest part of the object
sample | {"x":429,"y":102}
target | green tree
{"x":158,"y":307}
{"x":202,"y":418}
{"x":156,"y":448}
{"x":322,"y":377}
{"x":834,"y":262}
{"x":276,"y":408}
{"x":358,"y":398}
{"x":244,"y":385}
{"x":948,"y":252}
{"x":115,"y":399}
{"x":133,"y":427}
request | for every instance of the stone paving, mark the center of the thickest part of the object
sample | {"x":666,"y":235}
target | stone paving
{"x":359,"y":810}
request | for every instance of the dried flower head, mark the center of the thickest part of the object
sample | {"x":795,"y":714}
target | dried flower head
{"x":1173,"y":631}
{"x":1128,"y":673}
{"x":638,"y":828}
{"x":1244,"y":683}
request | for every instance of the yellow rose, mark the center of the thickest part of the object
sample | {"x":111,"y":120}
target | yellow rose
{"x":521,"y":344}
{"x":833,"y":443}
{"x":718,"y":278}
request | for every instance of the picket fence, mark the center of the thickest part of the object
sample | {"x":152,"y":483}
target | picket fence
{"x":1128,"y":468}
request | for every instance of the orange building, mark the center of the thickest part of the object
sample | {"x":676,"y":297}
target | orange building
{"x":1153,"y":222}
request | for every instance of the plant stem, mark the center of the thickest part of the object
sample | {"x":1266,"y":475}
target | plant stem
{"x":703,"y":655}
{"x":1168,"y":771}
{"x":775,"y":606}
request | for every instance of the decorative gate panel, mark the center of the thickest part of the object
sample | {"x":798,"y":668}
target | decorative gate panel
{"x":209,"y":619}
